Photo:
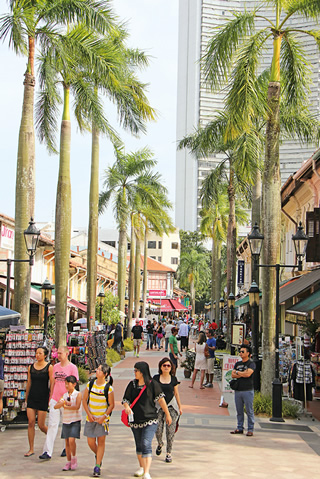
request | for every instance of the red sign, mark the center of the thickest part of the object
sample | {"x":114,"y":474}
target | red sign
{"x":190,"y":307}
{"x":156,"y":293}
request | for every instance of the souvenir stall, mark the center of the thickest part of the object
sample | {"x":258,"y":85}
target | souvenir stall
{"x":19,"y":346}
{"x":96,"y":346}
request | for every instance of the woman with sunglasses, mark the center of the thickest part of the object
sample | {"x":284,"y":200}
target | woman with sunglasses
{"x":144,"y":422}
{"x":169,"y":385}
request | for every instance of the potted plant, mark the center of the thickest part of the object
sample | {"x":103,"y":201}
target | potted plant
{"x":188,"y":363}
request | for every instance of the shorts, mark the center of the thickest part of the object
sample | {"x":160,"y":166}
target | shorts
{"x":136,"y":342}
{"x":71,"y":430}
{"x":94,"y":429}
{"x":1,"y":385}
{"x":210,"y":365}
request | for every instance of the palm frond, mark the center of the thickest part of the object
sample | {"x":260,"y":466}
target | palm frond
{"x":12,"y":27}
{"x":307,"y":8}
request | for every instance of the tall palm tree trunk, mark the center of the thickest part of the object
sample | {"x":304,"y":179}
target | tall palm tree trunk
{"x":63,"y":224}
{"x":93,"y":228}
{"x":25,"y":191}
{"x":193,"y":297}
{"x":122,"y":265}
{"x":137,"y":277}
{"x":145,"y":272}
{"x":217,"y":291}
{"x":256,"y":216}
{"x":131,"y":270}
{"x":231,"y":246}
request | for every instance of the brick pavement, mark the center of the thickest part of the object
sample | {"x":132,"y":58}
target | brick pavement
{"x":203,"y":446}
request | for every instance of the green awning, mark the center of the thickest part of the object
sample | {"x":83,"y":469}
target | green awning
{"x":244,"y":300}
{"x":307,"y":304}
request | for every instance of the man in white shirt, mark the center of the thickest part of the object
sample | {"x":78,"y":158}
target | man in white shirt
{"x":184,"y":335}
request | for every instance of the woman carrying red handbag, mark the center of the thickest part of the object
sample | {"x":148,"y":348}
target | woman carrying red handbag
{"x":144,"y":421}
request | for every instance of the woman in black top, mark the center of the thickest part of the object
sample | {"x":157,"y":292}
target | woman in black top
{"x":145,"y":417}
{"x":37,"y":394}
{"x":169,"y":385}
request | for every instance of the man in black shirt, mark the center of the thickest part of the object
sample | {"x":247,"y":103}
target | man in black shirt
{"x":243,"y":372}
{"x":137,"y":336}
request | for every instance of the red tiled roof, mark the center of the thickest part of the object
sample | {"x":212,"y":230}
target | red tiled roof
{"x":154,"y":265}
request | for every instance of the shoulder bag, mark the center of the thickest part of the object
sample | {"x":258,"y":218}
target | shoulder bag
{"x":234,"y":384}
{"x":124,"y":415}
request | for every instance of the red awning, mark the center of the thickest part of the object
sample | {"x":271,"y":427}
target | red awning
{"x":164,"y":306}
{"x":76,"y":304}
{"x":177,"y":305}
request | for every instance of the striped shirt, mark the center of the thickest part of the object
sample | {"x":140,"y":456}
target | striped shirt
{"x":73,"y":415}
{"x":97,"y":400}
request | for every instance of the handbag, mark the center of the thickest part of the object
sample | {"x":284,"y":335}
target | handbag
{"x":124,"y":415}
{"x":234,"y":384}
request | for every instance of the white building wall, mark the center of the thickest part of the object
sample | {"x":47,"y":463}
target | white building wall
{"x":168,"y":254}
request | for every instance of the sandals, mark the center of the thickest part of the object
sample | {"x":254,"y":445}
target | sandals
{"x":249,"y":433}
{"x":236,"y":431}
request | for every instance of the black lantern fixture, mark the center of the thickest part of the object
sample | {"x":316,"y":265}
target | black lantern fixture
{"x":101,"y":298}
{"x":31,"y":237}
{"x":300,"y":241}
{"x":255,"y":239}
{"x":46,"y":295}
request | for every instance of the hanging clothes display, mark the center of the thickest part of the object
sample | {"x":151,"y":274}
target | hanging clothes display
{"x":303,"y":380}
{"x":96,"y":349}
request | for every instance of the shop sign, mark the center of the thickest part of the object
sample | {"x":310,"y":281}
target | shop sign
{"x":7,"y":237}
{"x":240,"y":272}
{"x":156,"y":293}
{"x":228,"y":365}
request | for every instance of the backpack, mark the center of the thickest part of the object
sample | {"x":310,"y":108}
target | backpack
{"x":106,"y":389}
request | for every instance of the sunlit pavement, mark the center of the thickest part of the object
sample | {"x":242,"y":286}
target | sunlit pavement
{"x":203,"y":445}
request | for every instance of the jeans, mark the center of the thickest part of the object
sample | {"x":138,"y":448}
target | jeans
{"x":244,"y":398}
{"x":158,"y":342}
{"x":166,"y":344}
{"x":149,"y":341}
{"x":184,"y":342}
{"x":173,"y":359}
{"x":143,"y":437}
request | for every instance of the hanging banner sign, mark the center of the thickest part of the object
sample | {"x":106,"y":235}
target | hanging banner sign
{"x":156,"y":293}
{"x":7,"y":237}
{"x":238,"y":334}
{"x":240,"y":272}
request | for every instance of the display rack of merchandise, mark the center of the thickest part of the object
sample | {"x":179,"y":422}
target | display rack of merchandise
{"x":315,"y":360}
{"x":76,"y":342}
{"x":287,"y":356}
{"x":96,"y":349}
{"x":20,"y":349}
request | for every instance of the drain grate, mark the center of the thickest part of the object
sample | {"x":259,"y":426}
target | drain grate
{"x":285,"y":427}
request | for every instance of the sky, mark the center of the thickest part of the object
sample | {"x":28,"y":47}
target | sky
{"x":153,"y":27}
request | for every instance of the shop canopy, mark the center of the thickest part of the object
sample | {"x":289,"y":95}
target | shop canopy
{"x":308,"y":304}
{"x":8,"y":317}
{"x":177,"y":305}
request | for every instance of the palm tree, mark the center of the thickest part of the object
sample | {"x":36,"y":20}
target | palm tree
{"x":127,"y":93}
{"x":123,"y":184}
{"x":234,"y":52}
{"x":27,"y":22}
{"x":192,"y":270}
{"x":58,"y":65}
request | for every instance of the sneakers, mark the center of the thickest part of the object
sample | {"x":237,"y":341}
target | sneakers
{"x":45,"y":456}
{"x":96,"y":471}
{"x":137,"y":355}
{"x":63,"y":454}
{"x":139,"y":472}
{"x":147,"y":476}
{"x":134,"y":353}
{"x":208,"y":385}
{"x":74,"y":464}
{"x":158,"y":450}
{"x":67,"y":467}
{"x":168,"y":458}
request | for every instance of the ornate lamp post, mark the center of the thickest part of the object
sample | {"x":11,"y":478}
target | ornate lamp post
{"x":300,"y":240}
{"x":101,"y":298}
{"x":46,"y":294}
{"x":254,"y":298}
{"x":31,"y":237}
{"x":255,"y":239}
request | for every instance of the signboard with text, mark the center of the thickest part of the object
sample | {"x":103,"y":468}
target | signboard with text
{"x":228,"y":365}
{"x":7,"y":237}
{"x":156,"y":293}
{"x":240,"y":272}
{"x":238,"y":333}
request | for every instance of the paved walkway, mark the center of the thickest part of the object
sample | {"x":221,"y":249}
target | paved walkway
{"x":203,"y":446}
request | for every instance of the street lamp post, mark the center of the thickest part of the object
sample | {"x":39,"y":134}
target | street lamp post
{"x":221,"y":305}
{"x":231,"y":305}
{"x":46,"y":294}
{"x":300,"y":240}
{"x":101,"y":297}
{"x":31,"y":237}
{"x":254,"y":298}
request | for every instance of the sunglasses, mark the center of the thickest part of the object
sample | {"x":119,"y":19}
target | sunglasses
{"x":136,"y":370}
{"x":166,"y":366}
{"x":242,"y":351}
